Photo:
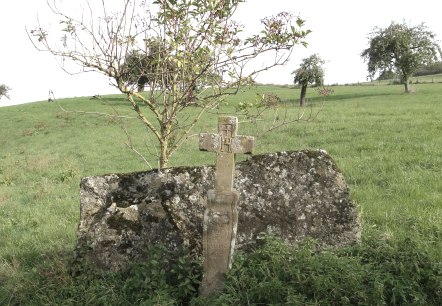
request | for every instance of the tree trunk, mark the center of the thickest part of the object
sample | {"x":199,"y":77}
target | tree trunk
{"x":407,"y":86}
{"x":164,"y":144}
{"x":164,"y":154}
{"x":303,"y":94}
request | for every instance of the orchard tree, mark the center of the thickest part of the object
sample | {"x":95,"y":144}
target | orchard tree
{"x":402,"y":48}
{"x":189,"y":53}
{"x":4,"y":91}
{"x":309,"y":72}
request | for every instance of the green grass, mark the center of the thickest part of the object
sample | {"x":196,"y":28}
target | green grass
{"x":387,"y":143}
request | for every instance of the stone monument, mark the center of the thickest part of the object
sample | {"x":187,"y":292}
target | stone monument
{"x":221,"y":214}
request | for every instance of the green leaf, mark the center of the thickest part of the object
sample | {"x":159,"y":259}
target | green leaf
{"x":300,"y":22}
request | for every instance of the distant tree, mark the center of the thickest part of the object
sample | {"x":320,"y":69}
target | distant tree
{"x":309,"y":72}
{"x":175,"y":47}
{"x":141,"y":67}
{"x":386,"y":75}
{"x":4,"y":91}
{"x":134,"y":70}
{"x":402,"y":48}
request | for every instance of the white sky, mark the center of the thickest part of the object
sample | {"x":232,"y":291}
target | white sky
{"x":340,"y":30}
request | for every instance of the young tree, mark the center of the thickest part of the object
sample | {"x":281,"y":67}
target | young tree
{"x":188,"y":52}
{"x":401,"y":47}
{"x":4,"y":91}
{"x":309,"y":72}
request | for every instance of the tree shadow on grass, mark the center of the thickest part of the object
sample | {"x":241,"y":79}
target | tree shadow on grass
{"x":341,"y":97}
{"x":114,"y":100}
{"x":352,"y":96}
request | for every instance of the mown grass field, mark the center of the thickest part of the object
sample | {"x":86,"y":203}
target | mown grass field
{"x":388,"y":145}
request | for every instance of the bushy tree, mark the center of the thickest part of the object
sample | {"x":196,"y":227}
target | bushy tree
{"x":309,"y":72}
{"x":4,"y":91}
{"x":402,"y":48}
{"x":174,"y":47}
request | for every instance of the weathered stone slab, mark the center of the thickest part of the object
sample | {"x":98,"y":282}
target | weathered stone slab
{"x":290,"y":194}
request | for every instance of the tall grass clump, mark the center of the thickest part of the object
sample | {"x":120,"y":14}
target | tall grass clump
{"x":376,"y":272}
{"x":162,"y":279}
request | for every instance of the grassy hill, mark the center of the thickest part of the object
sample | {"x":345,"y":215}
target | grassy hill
{"x":387,"y":143}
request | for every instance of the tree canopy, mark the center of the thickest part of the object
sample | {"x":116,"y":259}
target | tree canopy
{"x":309,"y":72}
{"x":4,"y":91}
{"x":401,"y":48}
{"x":188,"y":52}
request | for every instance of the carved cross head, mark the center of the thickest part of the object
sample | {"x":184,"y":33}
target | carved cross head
{"x":226,"y":143}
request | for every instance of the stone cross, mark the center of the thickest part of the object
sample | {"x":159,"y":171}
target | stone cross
{"x":221,"y":216}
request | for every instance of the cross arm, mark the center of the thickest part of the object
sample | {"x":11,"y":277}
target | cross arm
{"x":210,"y":142}
{"x":243,"y":144}
{"x":213,"y":143}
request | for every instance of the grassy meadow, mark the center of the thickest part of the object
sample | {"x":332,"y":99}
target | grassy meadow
{"x":388,"y":145}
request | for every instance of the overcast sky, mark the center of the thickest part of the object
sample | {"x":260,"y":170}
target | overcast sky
{"x":339,"y":34}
